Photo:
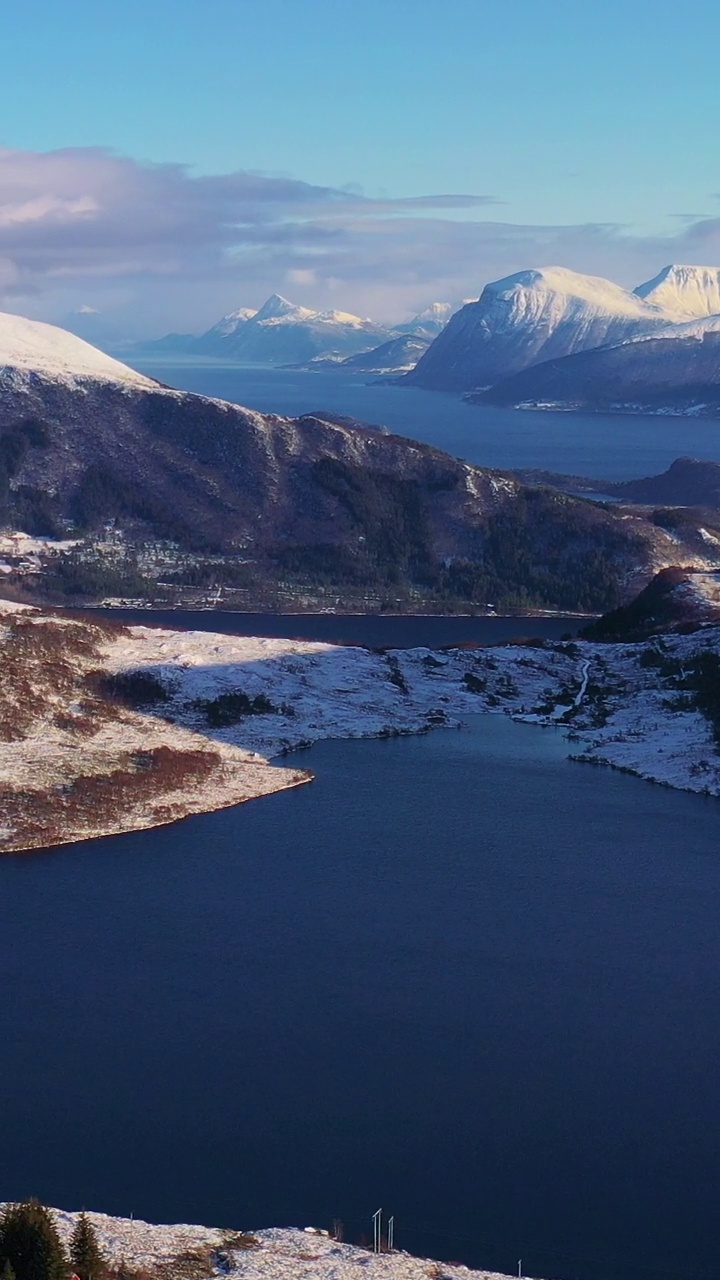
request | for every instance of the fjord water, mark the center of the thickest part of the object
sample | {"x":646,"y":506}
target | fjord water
{"x":611,"y":446}
{"x":458,"y":976}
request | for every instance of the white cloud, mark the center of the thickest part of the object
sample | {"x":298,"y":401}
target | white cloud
{"x":155,"y":247}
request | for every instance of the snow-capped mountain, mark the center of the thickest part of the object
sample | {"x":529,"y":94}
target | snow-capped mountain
{"x":532,"y":316}
{"x":686,"y":291}
{"x":281,"y":332}
{"x":31,"y":347}
{"x":227,"y":327}
{"x":429,"y":322}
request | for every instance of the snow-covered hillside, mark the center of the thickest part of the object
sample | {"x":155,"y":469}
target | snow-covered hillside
{"x":685,"y":291}
{"x":673,"y":370}
{"x":275,"y":1254}
{"x":532,"y":316}
{"x":34,"y":347}
{"x":396,"y":356}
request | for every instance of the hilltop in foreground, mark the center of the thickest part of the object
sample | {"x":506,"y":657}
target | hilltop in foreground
{"x":151,"y":1252}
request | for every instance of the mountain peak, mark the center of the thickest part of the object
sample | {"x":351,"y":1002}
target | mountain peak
{"x":600,"y":293}
{"x":276,"y":306}
{"x":428,"y":322}
{"x":687,"y":291}
{"x":233,"y":321}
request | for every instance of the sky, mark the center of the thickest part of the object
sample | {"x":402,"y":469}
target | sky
{"x":165,"y":161}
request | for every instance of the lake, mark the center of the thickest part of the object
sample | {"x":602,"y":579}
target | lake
{"x":458,"y":976}
{"x":612,"y":446}
{"x":394,"y":631}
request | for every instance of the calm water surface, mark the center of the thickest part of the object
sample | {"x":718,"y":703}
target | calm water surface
{"x":457,"y":976}
{"x":616,"y":447}
{"x":393,"y":631}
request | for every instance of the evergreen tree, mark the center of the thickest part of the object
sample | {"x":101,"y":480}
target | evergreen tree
{"x":30,"y":1244}
{"x":85,"y":1253}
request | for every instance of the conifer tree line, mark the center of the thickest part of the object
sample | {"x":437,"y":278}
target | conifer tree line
{"x":31,"y":1248}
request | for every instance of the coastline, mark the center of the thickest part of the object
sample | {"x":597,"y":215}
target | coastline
{"x":88,"y":766}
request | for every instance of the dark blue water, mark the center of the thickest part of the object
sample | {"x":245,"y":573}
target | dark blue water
{"x":457,"y":976}
{"x":616,"y":447}
{"x":375,"y":631}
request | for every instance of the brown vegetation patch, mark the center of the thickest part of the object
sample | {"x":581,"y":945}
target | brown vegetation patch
{"x":193,"y":1264}
{"x":39,"y":662}
{"x":94,"y":801}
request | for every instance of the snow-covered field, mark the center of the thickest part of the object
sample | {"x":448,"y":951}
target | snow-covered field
{"x":617,"y":709}
{"x":275,"y":1254}
{"x":338,"y":692}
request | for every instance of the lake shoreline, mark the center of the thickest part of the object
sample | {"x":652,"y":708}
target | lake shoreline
{"x":213,"y":711}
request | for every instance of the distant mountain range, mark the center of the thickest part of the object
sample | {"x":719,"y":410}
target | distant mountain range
{"x":283,"y":333}
{"x":552,"y":338}
{"x":551,"y":313}
{"x":314,"y":503}
{"x":542,"y":338}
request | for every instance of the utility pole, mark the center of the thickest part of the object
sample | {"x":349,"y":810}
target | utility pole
{"x":391,"y":1233}
{"x":377,"y":1231}
{"x":519,"y":1268}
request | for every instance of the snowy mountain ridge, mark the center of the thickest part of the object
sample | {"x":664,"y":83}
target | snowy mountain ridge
{"x":283,"y":332}
{"x":685,"y":290}
{"x":525,"y":289}
{"x":31,"y":346}
{"x":547,"y":313}
{"x":232,"y":321}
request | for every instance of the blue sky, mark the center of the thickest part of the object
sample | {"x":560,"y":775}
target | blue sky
{"x":585,"y":130}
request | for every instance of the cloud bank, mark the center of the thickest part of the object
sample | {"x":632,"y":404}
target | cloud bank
{"x":153,"y":247}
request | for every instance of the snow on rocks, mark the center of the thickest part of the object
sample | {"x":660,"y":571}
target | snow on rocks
{"x":684,"y":290}
{"x":617,"y":708}
{"x":274,"y":1254}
